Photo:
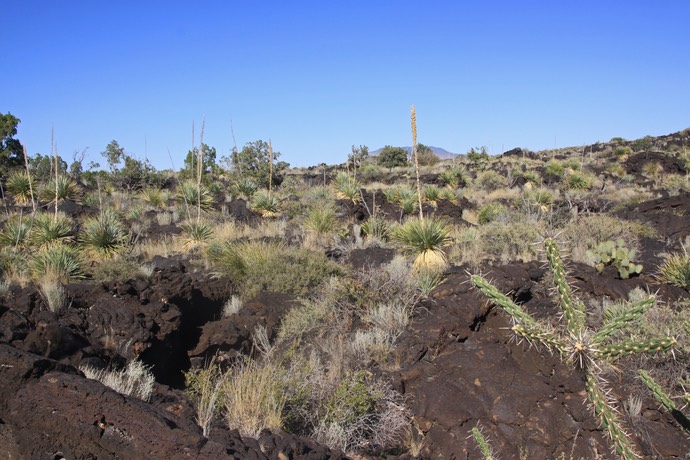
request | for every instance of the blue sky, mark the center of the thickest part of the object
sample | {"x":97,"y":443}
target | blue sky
{"x":318,"y":77}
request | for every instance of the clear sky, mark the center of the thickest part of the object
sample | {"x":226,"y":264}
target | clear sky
{"x":317,"y":77}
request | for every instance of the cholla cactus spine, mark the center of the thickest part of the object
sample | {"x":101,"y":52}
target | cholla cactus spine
{"x":659,"y":394}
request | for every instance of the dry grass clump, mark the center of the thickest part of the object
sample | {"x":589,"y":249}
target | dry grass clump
{"x":135,"y":379}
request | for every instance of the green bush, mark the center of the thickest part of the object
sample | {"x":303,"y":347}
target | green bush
{"x":103,"y":235}
{"x":49,"y":228}
{"x":490,"y":212}
{"x":271,"y":266}
{"x":58,"y":262}
{"x":20,"y":187}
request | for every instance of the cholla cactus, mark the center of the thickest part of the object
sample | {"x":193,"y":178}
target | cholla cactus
{"x":585,"y":348}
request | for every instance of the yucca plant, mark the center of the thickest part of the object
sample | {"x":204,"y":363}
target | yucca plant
{"x":153,"y":196}
{"x":426,"y":239}
{"x":51,"y":228}
{"x":346,"y":187}
{"x":197,"y":233}
{"x":376,"y":227}
{"x":245,"y":188}
{"x":586,"y":349}
{"x":432,"y":194}
{"x":454,"y":177}
{"x":104,"y":235}
{"x":578,"y":181}
{"x":58,"y":262}
{"x":19,"y":186}
{"x":191,"y":195}
{"x":676,"y":270}
{"x":266,"y":204}
{"x":65,"y":189}
{"x":15,"y":232}
{"x":321,"y":220}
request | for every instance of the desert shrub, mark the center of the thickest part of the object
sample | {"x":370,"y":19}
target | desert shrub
{"x":615,"y":169}
{"x":117,"y":268}
{"x":426,"y":239}
{"x":532,"y":177}
{"x":642,"y":144}
{"x":53,"y":293}
{"x":50,"y":228}
{"x":266,"y":204}
{"x":205,"y":386}
{"x":19,"y":186}
{"x":59,"y":262}
{"x":270,"y":266}
{"x":135,"y":379}
{"x":233,"y":306}
{"x":675,"y":270}
{"x":540,"y":196}
{"x":490,"y":212}
{"x":432,"y":194}
{"x":253,"y":397}
{"x":490,"y":180}
{"x":448,"y":194}
{"x":104,"y":235}
{"x":622,"y":152}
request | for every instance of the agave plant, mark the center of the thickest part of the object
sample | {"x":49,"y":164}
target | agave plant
{"x":19,"y":185}
{"x":58,"y":262}
{"x":576,"y":343}
{"x":267,"y":204}
{"x":51,"y":228}
{"x":321,"y":220}
{"x":104,"y":235}
{"x":426,"y":239}
{"x":66,"y":189}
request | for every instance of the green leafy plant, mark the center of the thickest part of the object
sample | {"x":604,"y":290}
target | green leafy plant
{"x":66,"y":189}
{"x":586,"y":349}
{"x":190,"y":194}
{"x":432,"y":194}
{"x":426,"y":239}
{"x":321,"y":219}
{"x":454,"y":177}
{"x":617,"y":255}
{"x":376,"y":227}
{"x":490,"y":212}
{"x":15,"y":233}
{"x":153,"y":196}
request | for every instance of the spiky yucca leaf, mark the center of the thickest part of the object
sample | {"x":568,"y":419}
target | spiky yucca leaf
{"x":197,"y":233}
{"x":266,"y":204}
{"x":346,"y":187}
{"x":426,"y":239}
{"x":58,"y":262}
{"x":245,"y":187}
{"x":20,"y":187}
{"x":676,"y":270}
{"x":103,"y":235}
{"x":321,"y":220}
{"x":50,"y":228}
{"x":15,"y":232}
{"x":66,"y":189}
{"x":192,"y":195}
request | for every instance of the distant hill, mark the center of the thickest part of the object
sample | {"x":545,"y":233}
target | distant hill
{"x":442,"y":153}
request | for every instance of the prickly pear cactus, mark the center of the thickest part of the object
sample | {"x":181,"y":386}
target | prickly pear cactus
{"x":617,"y":255}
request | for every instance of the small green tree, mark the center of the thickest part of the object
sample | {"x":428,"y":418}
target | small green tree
{"x":253,"y":161}
{"x":11,"y":151}
{"x":190,"y":162}
{"x":114,"y":154}
{"x":355,"y":159}
{"x":426,"y":156}
{"x":43,"y":165}
{"x":390,"y":157}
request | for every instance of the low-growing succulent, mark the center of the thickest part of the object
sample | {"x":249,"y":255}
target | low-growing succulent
{"x":617,"y":255}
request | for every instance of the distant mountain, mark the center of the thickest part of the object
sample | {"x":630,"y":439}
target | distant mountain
{"x":442,"y":153}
